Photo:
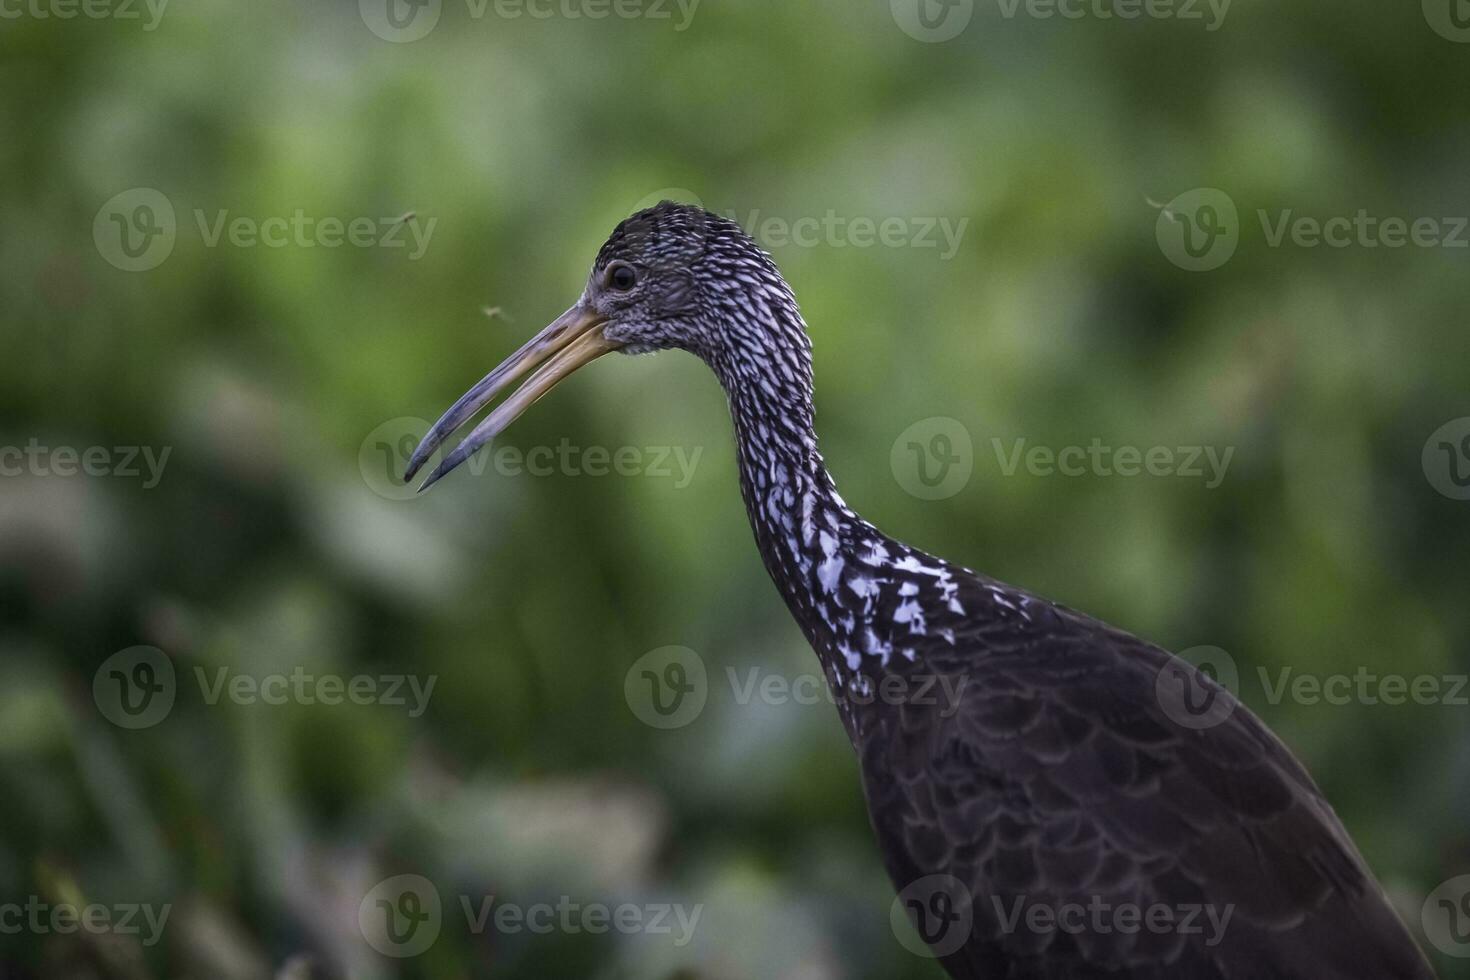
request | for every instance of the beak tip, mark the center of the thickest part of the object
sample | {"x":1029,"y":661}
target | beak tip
{"x":416,"y":461}
{"x":434,"y":478}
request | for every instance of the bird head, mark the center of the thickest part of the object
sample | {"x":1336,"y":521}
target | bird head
{"x":650,"y":277}
{"x":673,"y":276}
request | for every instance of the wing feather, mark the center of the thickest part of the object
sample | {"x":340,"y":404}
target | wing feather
{"x":1061,"y":783}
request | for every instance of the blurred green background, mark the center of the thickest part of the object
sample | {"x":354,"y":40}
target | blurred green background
{"x":283,"y":380}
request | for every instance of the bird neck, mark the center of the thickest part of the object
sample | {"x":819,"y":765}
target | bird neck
{"x":860,"y":597}
{"x":801,"y":525}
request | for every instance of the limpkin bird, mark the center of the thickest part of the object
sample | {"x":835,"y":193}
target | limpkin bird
{"x":1062,"y":779}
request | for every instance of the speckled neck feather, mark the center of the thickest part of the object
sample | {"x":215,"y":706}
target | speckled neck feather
{"x":863,"y":600}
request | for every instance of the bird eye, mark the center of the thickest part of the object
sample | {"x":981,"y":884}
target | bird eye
{"x":622,"y":278}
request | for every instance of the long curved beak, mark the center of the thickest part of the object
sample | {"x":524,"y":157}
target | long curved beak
{"x":570,"y":341}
